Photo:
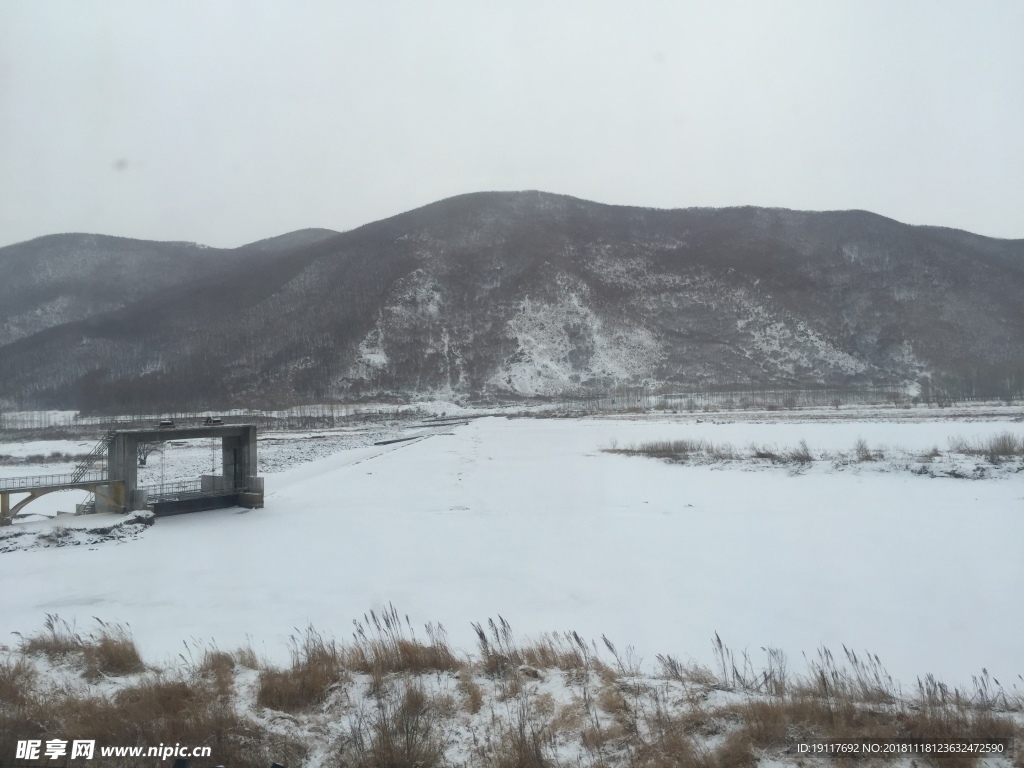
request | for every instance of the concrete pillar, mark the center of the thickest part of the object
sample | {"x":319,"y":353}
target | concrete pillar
{"x":230,"y":458}
{"x":5,"y":508}
{"x":122,"y":464}
{"x":110,"y":497}
{"x":239,"y":457}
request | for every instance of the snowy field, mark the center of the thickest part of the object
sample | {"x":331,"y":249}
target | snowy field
{"x":529,"y":519}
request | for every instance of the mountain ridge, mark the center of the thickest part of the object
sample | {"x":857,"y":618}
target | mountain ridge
{"x":528,"y":294}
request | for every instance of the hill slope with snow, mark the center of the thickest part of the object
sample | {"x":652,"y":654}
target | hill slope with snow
{"x":532,"y":294}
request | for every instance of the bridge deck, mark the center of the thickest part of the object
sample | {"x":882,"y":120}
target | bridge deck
{"x":31,"y":483}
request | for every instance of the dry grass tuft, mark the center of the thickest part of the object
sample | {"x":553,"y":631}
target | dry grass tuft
{"x":996,"y":448}
{"x":667,"y":743}
{"x":735,"y":751}
{"x":217,"y":663}
{"x":17,"y":679}
{"x":524,"y":742}
{"x":679,"y":450}
{"x":187,"y":710}
{"x":110,"y":651}
{"x":219,"y":667}
{"x":56,"y":642}
{"x":860,"y":679}
{"x":690,"y":450}
{"x":502,"y":656}
{"x":674,"y":669}
{"x":765,"y":452}
{"x":862,"y":451}
{"x":247,"y":658}
{"x":801,"y":454}
{"x":382,"y":645}
{"x":472,"y":694}
{"x":403,"y":732}
{"x":315,"y":670}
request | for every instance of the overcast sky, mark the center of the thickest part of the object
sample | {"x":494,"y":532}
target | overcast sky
{"x":227,"y":122}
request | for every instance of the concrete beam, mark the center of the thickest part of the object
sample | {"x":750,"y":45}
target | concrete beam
{"x":188,"y":433}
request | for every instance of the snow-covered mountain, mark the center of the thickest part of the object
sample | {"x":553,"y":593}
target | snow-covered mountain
{"x":527,"y":294}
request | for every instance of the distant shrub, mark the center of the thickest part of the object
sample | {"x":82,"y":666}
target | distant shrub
{"x":801,"y":454}
{"x":679,"y":450}
{"x":764,"y":452}
{"x":996,"y":448}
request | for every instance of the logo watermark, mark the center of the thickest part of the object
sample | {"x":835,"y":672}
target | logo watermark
{"x":36,"y":752}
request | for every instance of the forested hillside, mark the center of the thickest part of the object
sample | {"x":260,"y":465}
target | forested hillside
{"x":512,"y":294}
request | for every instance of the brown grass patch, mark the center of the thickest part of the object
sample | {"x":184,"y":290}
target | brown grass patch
{"x":596,"y":739}
{"x":667,"y":744}
{"x":17,"y":679}
{"x":674,"y":669}
{"x":501,"y":654}
{"x":382,"y":645}
{"x":601,"y":715}
{"x":110,"y":651}
{"x":472,"y":694}
{"x":315,"y":670}
{"x":524,"y":742}
{"x":56,"y":641}
{"x":247,"y":658}
{"x":402,"y":732}
{"x":569,"y":718}
{"x":185,"y":708}
{"x":219,"y":667}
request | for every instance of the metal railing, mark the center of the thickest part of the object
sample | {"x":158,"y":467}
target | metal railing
{"x":186,"y":489}
{"x":31,"y":482}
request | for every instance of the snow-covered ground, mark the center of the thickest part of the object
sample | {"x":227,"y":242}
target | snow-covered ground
{"x":530,"y":519}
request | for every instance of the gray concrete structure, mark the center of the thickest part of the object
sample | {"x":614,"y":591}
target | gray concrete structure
{"x":116,"y":489}
{"x":238,"y":461}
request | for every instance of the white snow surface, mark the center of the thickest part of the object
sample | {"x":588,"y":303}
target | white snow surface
{"x":529,"y":519}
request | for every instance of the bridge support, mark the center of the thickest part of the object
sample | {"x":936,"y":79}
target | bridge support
{"x":32,"y":496}
{"x":110,"y":497}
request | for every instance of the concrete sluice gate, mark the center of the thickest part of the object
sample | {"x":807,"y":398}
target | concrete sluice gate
{"x":237,"y":485}
{"x":116,"y":488}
